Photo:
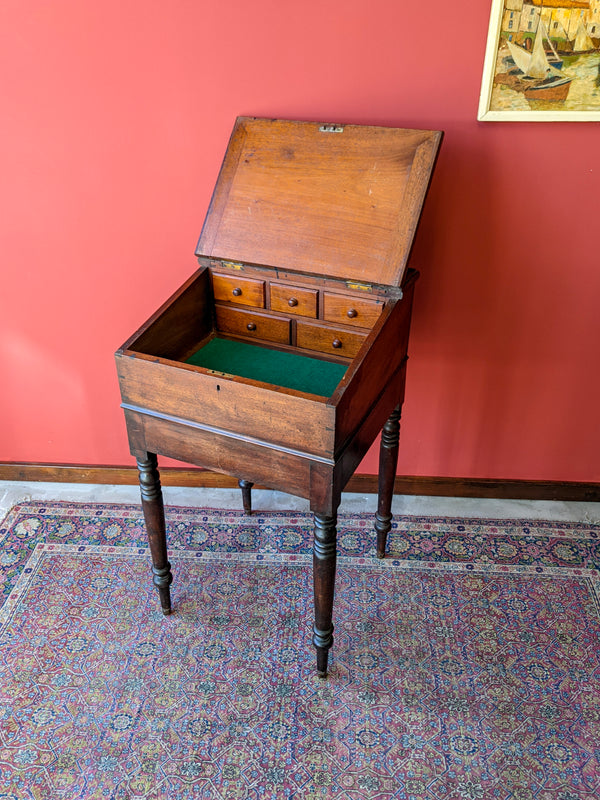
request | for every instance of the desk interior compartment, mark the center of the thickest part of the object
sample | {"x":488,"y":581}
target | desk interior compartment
{"x":191,"y":331}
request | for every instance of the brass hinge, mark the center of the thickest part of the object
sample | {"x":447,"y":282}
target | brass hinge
{"x":363,"y":287}
{"x":233,"y":265}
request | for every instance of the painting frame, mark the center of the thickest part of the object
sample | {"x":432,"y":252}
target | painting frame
{"x":486,"y":110}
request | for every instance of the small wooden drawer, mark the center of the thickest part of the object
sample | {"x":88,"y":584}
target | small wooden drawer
{"x":348,"y":310}
{"x":252,"y":324}
{"x":235,"y":289}
{"x":294,"y":300}
{"x":336,"y":341}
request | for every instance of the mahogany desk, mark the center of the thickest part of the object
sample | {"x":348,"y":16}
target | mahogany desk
{"x":284,"y":355}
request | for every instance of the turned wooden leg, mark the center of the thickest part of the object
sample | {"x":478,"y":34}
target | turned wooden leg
{"x":388,"y":461}
{"x":324,"y":560}
{"x":154,"y":516}
{"x":246,"y":487}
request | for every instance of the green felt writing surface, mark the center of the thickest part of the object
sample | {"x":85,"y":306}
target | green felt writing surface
{"x":277,"y":367}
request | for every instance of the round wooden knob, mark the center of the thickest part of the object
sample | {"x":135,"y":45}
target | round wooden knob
{"x":292,"y":302}
{"x":237,"y":292}
{"x":251,"y":326}
{"x":352,"y":312}
{"x":336,"y":343}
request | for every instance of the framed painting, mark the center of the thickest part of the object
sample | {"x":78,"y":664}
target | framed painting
{"x":542,"y":61}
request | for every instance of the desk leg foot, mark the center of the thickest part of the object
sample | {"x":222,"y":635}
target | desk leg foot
{"x":324,"y":563}
{"x":154,"y":516}
{"x":246,"y":487}
{"x":388,"y":462}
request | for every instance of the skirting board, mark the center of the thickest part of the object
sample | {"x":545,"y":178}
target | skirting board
{"x":363,"y":484}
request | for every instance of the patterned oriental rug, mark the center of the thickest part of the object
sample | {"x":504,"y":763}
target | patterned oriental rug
{"x":466,"y":665}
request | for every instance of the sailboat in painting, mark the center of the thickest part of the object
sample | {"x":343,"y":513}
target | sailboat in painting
{"x":538,"y":78}
{"x":582,"y":43}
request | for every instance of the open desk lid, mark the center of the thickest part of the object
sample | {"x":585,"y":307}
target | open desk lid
{"x":336,"y":200}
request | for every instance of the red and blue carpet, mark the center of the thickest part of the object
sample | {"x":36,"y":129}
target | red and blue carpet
{"x":466,"y":666}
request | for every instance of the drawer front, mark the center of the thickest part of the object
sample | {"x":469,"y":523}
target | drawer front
{"x":346,"y":310}
{"x":252,"y":324}
{"x":294,"y":300}
{"x":329,"y":340}
{"x":235,"y":289}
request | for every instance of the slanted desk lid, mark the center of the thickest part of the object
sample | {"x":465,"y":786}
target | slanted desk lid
{"x":336,"y":200}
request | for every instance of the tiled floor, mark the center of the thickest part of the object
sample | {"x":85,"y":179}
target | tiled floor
{"x":15,"y":492}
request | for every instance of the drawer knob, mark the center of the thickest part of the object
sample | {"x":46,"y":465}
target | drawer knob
{"x":337,"y":343}
{"x":352,"y":312}
{"x":292,"y":302}
{"x":251,"y":326}
{"x":237,"y":292}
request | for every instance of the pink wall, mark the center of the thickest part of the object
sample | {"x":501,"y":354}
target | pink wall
{"x":115,"y":116}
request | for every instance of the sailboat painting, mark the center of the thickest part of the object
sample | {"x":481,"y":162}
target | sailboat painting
{"x":542,"y":61}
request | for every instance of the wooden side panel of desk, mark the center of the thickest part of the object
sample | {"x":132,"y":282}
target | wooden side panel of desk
{"x":376,"y":367}
{"x":180,"y":323}
{"x":357,"y":446}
